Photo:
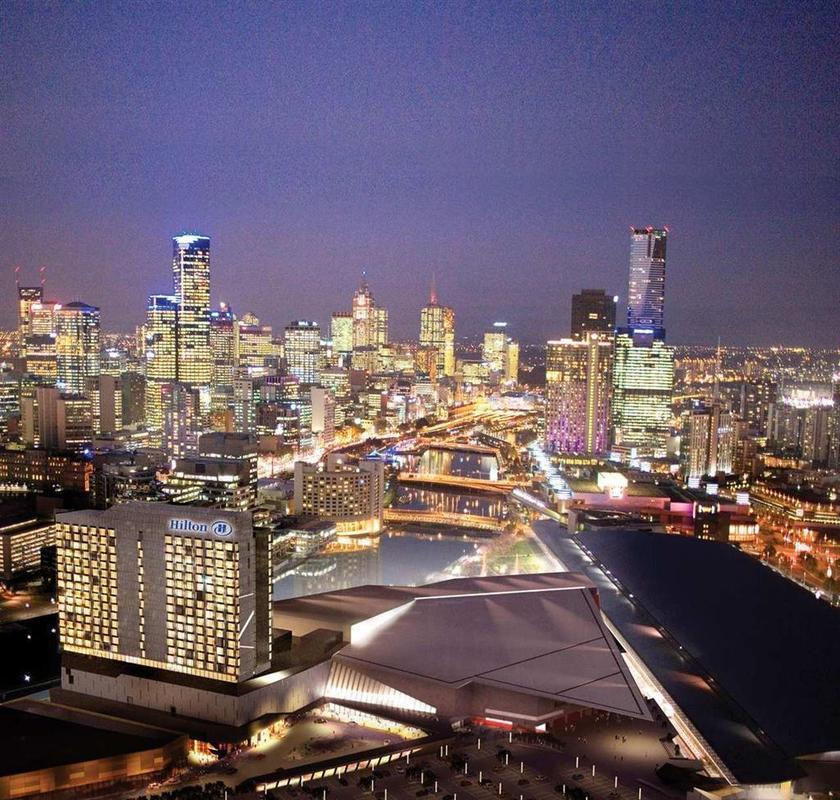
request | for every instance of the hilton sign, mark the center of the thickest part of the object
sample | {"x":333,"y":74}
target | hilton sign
{"x":219,"y":527}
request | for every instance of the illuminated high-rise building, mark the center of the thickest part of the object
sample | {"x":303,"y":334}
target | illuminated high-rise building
{"x":302,"y":347}
{"x":183,"y":417}
{"x":161,"y":361}
{"x":593,"y":311}
{"x":712,"y":440}
{"x":577,"y":395}
{"x":253,"y":346}
{"x":177,"y":588}
{"x":646,"y":290}
{"x":643,"y":382}
{"x":191,"y":287}
{"x":39,"y":345}
{"x":77,"y":346}
{"x":369,"y":321}
{"x":222,"y":345}
{"x":494,"y":347}
{"x":341,"y":332}
{"x":27,"y":296}
{"x":437,"y":329}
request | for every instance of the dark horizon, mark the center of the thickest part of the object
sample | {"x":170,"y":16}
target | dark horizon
{"x":507,"y":150}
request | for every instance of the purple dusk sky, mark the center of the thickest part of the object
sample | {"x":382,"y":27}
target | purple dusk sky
{"x":505,"y":147}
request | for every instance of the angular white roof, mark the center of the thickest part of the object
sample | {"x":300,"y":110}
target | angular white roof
{"x":540,"y":634}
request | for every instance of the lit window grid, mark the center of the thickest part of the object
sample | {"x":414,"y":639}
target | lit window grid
{"x":87,"y":590}
{"x":202,"y":606}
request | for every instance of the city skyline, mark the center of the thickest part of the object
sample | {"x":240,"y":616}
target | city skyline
{"x":492,"y":147}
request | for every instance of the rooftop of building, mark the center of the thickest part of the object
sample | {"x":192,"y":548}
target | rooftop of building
{"x":749,"y":656}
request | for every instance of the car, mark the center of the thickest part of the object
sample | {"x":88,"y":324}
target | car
{"x":578,"y":776}
{"x":540,"y":779}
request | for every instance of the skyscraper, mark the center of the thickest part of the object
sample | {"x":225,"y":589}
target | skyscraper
{"x":646,"y":290}
{"x":77,"y":346}
{"x":161,"y":336}
{"x":578,"y":384}
{"x":370,"y":322}
{"x":302,"y":345}
{"x":341,"y":332}
{"x":437,"y":329}
{"x":643,"y":381}
{"x":191,"y":286}
{"x":27,"y":296}
{"x":222,"y":345}
{"x":593,"y":311}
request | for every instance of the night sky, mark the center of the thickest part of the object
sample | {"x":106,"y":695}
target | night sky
{"x":506,"y":147}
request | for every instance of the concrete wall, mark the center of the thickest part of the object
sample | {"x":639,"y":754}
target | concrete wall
{"x":279,"y":697}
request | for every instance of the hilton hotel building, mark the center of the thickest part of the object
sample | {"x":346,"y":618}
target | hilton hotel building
{"x":166,"y":607}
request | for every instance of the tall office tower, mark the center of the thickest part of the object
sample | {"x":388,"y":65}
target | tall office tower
{"x":437,"y":329}
{"x":177,"y":588}
{"x":494,"y":348}
{"x":106,"y":395}
{"x":183,"y":418}
{"x":323,"y":415}
{"x":246,"y":397}
{"x":593,"y":311}
{"x":253,"y":345}
{"x":27,"y":297}
{"x":39,"y":346}
{"x":379,"y":326}
{"x":52,"y":420}
{"x":578,"y":387}
{"x":133,"y":398}
{"x":512,"y":367}
{"x":646,"y":291}
{"x":191,"y":286}
{"x":643,"y":381}
{"x":222,"y":345}
{"x":161,"y":355}
{"x":712,"y":439}
{"x":341,"y":333}
{"x":362,"y":313}
{"x":302,"y":346}
{"x":77,"y":346}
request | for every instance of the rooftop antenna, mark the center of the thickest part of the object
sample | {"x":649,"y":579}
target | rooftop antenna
{"x":433,"y":298}
{"x":17,"y":277}
{"x":43,"y":273}
{"x":717,"y":372}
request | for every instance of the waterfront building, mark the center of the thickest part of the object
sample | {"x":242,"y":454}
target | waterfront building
{"x":179,"y":589}
{"x":349,"y":493}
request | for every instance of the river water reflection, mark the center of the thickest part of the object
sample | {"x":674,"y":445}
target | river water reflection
{"x":405,"y":558}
